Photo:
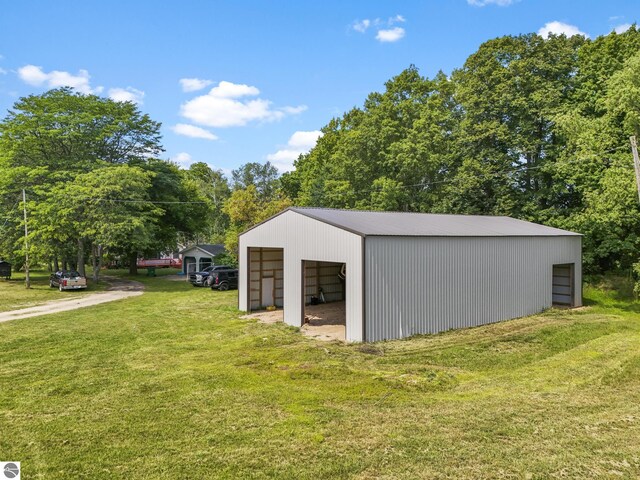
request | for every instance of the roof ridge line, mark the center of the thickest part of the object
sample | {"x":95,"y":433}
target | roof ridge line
{"x":355,"y":210}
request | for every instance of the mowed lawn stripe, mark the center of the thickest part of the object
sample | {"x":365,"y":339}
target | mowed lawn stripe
{"x":174,"y":381}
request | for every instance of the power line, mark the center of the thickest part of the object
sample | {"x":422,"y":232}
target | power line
{"x":415,"y":185}
{"x":141,"y":201}
{"x":124,"y":200}
{"x":116,"y":200}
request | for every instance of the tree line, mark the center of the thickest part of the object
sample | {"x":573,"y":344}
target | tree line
{"x":96,"y":188}
{"x":529,"y":127}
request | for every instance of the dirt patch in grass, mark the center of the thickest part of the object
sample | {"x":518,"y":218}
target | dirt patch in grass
{"x":325,"y":322}
{"x":266,"y":316}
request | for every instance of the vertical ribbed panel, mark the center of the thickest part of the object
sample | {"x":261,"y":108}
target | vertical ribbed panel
{"x":304,"y":238}
{"x":431,"y":284}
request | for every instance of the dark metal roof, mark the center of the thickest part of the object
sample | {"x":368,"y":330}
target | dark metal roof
{"x":428,"y":224}
{"x":211,"y":249}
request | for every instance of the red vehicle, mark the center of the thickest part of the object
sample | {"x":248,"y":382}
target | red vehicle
{"x":159,"y":263}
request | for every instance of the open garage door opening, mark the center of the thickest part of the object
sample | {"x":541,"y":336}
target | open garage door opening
{"x":563,"y":289}
{"x":324,"y":299}
{"x":266,"y":278}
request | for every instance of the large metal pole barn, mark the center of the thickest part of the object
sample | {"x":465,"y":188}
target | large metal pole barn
{"x":411,"y":273}
{"x":301,"y":239}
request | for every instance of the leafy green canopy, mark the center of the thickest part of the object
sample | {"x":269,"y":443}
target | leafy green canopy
{"x":93,"y":184}
{"x":529,"y":127}
{"x":214,"y":188}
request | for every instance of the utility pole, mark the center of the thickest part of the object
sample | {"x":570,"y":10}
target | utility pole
{"x":636,"y":162}
{"x":26,"y":241}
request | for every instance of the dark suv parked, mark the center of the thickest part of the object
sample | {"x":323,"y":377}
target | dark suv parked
{"x":200,"y":279}
{"x":224,"y":279}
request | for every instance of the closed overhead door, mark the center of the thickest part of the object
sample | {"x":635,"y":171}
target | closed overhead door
{"x":562,"y":290}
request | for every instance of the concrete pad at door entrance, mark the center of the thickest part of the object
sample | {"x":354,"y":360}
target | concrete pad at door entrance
{"x":326,"y":322}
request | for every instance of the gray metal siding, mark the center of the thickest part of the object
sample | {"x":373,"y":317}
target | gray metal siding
{"x":428,"y":285}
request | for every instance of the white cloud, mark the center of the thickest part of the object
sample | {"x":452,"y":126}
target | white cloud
{"x":622,"y":28}
{"x":194,"y":84}
{"x":294,"y":110}
{"x":482,"y":3}
{"x":183,"y":159}
{"x":212,"y":111}
{"x":559,"y":28}
{"x":233,"y":90}
{"x":299,"y":143}
{"x":304,"y":140}
{"x":361,"y":25}
{"x":2,"y":71}
{"x":34,"y":75}
{"x":390,"y":35}
{"x":224,"y":106}
{"x":193,"y":131}
{"x":128,"y":94}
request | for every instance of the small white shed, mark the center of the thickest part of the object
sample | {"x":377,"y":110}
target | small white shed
{"x":198,"y":257}
{"x":407,"y":273}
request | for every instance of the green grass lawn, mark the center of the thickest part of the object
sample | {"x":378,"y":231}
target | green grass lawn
{"x":14,"y":295}
{"x":172,"y":384}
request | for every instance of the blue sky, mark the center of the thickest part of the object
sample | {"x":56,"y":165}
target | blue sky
{"x":247,"y":81}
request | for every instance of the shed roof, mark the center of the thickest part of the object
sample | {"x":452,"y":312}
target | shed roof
{"x":369,"y":223}
{"x":207,"y":248}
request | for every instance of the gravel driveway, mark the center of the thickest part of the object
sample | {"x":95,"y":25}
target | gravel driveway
{"x":117,"y":290}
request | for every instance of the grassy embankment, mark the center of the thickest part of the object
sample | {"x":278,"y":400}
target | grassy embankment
{"x":173,"y":384}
